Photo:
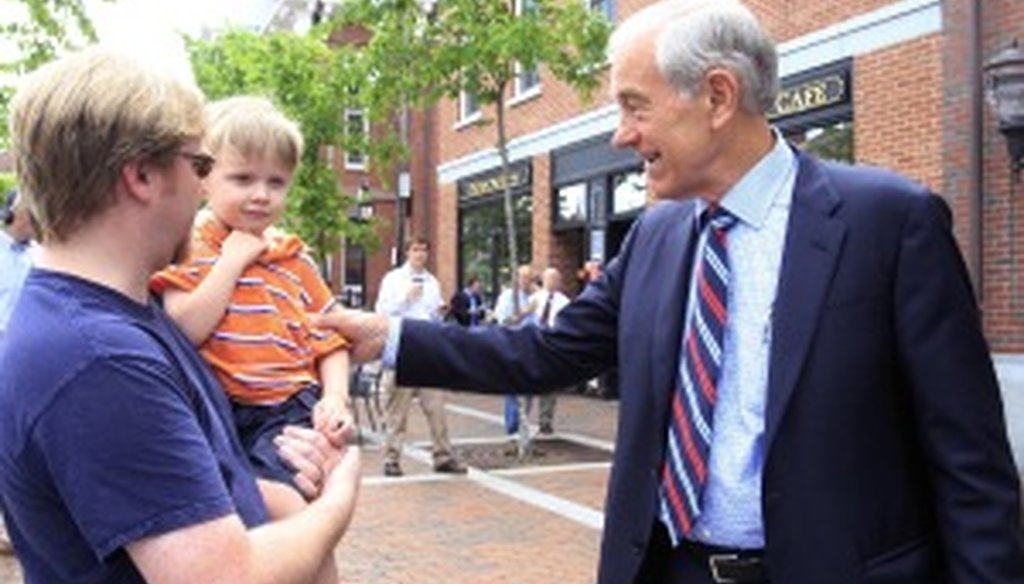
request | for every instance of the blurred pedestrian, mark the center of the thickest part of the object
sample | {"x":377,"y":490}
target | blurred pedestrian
{"x":16,"y":241}
{"x":547,"y":303}
{"x":467,"y":305}
{"x":513,"y":308}
{"x":411,"y":291}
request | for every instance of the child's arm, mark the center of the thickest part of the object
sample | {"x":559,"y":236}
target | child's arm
{"x":331,"y":415}
{"x":198,"y":312}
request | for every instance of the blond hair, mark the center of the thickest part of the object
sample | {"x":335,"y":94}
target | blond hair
{"x":77,"y":121}
{"x":253,"y":127}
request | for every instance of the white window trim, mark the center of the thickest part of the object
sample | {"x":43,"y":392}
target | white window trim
{"x":519,"y":95}
{"x":464,"y":119}
{"x":349,"y":163}
{"x":606,"y":9}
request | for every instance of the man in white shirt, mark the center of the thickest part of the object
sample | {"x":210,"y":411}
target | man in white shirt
{"x":410,"y":291}
{"x":547,"y":303}
{"x":513,"y":308}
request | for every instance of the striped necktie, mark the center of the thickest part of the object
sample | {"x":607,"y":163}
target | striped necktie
{"x":685,"y":466}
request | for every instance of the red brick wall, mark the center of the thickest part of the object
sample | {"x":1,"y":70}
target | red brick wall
{"x":447,"y":240}
{"x":1002,"y":297}
{"x":897,"y":109}
{"x":1003,"y":214}
{"x":787,"y":19}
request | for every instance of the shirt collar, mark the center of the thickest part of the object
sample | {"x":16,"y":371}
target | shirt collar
{"x":746,"y":199}
{"x":14,"y":245}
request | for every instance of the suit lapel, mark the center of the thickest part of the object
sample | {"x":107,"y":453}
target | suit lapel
{"x":813,"y":244}
{"x":670,"y":287}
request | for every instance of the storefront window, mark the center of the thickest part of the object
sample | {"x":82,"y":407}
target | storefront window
{"x":830,"y":142}
{"x":483,"y":244}
{"x":629,"y":192}
{"x":572,"y":204}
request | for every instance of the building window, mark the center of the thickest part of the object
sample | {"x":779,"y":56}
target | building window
{"x":571,"y":201}
{"x":602,"y":6}
{"x":469,"y":107}
{"x":629,"y":192}
{"x":357,"y":128}
{"x":527,"y":82}
{"x":828,"y":141}
{"x":483,"y":240}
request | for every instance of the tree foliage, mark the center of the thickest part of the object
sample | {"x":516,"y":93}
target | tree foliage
{"x":35,"y":31}
{"x":310,"y":81}
{"x":421,"y":51}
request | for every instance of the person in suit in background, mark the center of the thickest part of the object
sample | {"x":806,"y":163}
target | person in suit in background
{"x":467,"y":305}
{"x":806,"y":393}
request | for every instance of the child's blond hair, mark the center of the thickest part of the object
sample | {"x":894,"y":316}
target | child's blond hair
{"x":253,"y":127}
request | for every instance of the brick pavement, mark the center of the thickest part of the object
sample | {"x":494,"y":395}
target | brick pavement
{"x":529,"y":525}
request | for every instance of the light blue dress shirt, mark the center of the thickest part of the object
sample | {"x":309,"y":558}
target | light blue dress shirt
{"x":15,"y":263}
{"x":731,"y":502}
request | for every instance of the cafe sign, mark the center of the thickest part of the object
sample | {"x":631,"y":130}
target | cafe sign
{"x":493,"y":182}
{"x":811,"y":94}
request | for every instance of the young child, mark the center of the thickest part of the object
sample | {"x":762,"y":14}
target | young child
{"x":245,"y":294}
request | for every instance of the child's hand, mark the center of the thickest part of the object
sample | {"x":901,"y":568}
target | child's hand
{"x":332,"y":419}
{"x":242,"y":247}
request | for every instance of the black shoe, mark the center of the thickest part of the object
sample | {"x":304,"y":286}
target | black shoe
{"x":392,"y":469}
{"x":547,"y":429}
{"x":450,"y":466}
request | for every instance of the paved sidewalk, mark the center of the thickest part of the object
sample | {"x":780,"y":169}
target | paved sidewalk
{"x":532,"y":524}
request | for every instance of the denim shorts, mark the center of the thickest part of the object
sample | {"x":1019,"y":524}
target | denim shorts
{"x":257,"y":427}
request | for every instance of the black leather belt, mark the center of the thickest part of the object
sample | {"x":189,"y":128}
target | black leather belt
{"x":727,"y":565}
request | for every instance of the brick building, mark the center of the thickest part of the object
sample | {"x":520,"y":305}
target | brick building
{"x":883,"y":82}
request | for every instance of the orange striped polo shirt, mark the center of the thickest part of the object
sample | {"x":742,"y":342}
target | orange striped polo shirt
{"x":264,"y":350}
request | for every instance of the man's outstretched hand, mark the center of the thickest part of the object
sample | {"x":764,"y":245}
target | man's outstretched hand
{"x":366,"y":331}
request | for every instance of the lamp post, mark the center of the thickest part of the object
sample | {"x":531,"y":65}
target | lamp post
{"x":1006,"y":93}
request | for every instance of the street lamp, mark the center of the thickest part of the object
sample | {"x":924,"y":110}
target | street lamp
{"x":1006,"y":94}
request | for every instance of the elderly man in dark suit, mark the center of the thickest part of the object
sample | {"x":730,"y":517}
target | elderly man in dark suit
{"x":807,"y":397}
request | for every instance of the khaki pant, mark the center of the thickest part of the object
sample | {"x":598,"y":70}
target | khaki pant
{"x":399,"y":400}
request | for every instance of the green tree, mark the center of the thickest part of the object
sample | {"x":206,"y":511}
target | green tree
{"x":309,"y":81}
{"x":419,"y":51}
{"x":34,"y":31}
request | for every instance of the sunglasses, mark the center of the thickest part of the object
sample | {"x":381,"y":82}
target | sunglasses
{"x":201,"y":162}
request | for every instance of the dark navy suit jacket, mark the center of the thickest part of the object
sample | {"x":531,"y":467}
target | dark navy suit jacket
{"x":886,"y":457}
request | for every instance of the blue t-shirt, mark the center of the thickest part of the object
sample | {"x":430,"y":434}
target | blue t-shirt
{"x":112,"y":430}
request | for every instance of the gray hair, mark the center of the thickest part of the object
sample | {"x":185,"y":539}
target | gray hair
{"x":695,"y":36}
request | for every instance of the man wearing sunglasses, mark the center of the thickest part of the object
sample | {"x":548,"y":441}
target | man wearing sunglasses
{"x":118,"y":462}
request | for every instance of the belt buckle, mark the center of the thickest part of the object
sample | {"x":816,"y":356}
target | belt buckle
{"x":713,"y":566}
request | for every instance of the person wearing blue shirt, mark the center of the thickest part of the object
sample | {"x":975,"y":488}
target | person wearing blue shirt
{"x":15,"y":254}
{"x":118,"y":459}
